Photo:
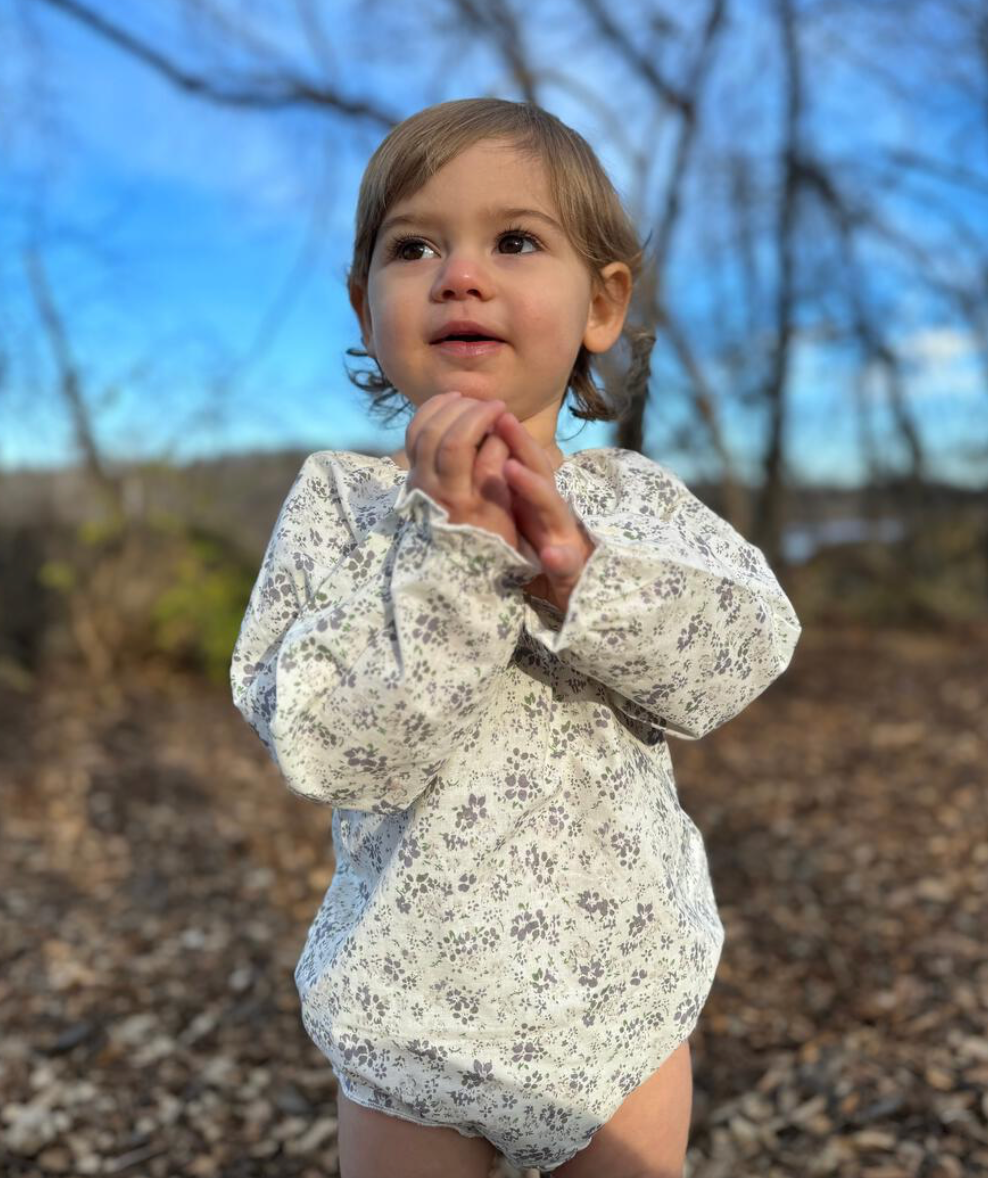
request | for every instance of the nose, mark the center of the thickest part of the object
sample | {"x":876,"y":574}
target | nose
{"x":462,"y":275}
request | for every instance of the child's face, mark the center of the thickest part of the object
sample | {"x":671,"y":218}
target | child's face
{"x":536,"y":296}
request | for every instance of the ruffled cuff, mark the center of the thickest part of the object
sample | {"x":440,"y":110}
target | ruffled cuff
{"x":479,"y":550}
{"x":601,"y":579}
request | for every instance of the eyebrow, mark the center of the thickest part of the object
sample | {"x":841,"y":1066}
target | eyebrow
{"x":492,"y":214}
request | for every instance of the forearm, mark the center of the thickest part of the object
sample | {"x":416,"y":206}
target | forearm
{"x":691,"y":627}
{"x":376,"y":687}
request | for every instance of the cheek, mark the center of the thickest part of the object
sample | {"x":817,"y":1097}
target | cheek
{"x":553,"y":334}
{"x":392,"y":325}
{"x":386,"y":305}
{"x":544,"y":324}
{"x":560,"y":315}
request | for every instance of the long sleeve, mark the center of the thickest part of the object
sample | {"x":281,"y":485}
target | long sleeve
{"x":675,"y":611}
{"x":364,"y":660}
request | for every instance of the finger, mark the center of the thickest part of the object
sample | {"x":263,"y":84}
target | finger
{"x":534,"y":516}
{"x":488,"y":472}
{"x":491,"y":455}
{"x":540,"y":512}
{"x":537,"y":490}
{"x":430,"y":434}
{"x":455,"y":451}
{"x":523,"y":446}
{"x":424,"y":415}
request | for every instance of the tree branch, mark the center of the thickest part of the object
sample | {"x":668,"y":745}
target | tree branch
{"x":263,"y":93}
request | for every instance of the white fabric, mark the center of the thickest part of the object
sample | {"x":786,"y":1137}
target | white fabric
{"x":521,"y":926}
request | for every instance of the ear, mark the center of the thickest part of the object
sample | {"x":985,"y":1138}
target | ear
{"x":358,"y":300}
{"x":608,"y":307}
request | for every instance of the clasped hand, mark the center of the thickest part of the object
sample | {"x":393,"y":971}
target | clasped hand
{"x":483,"y":466}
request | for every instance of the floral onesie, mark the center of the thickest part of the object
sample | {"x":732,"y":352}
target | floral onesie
{"x":521,"y":925}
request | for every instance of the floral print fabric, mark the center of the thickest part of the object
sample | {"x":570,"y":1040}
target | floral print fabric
{"x":521,"y":926}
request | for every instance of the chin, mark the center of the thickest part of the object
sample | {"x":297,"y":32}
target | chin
{"x":465,"y":388}
{"x":479,"y":390}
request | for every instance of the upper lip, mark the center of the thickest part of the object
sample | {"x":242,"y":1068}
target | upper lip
{"x":463,"y":327}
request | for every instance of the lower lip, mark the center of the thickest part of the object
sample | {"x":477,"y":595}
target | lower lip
{"x":461,"y":348}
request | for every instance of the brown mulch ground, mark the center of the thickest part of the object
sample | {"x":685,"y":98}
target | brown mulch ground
{"x":158,"y":880}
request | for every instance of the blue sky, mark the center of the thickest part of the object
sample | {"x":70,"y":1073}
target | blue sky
{"x":172,"y":227}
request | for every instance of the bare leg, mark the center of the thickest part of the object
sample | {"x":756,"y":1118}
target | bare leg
{"x":377,"y":1145}
{"x":648,"y":1135}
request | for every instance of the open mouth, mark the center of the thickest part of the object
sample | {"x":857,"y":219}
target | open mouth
{"x":468,"y":345}
{"x":468,"y":338}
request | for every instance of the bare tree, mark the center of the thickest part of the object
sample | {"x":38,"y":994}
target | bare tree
{"x":801,"y":222}
{"x":70,"y":386}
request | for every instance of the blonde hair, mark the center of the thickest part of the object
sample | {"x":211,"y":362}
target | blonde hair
{"x":590,"y":209}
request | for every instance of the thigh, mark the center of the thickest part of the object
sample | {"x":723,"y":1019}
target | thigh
{"x":648,"y":1135}
{"x":373,"y":1144}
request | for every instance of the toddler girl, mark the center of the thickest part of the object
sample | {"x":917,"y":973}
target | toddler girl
{"x":474,"y":650}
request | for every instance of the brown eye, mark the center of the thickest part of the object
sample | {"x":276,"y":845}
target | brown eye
{"x":523,"y":235}
{"x":396,"y":250}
